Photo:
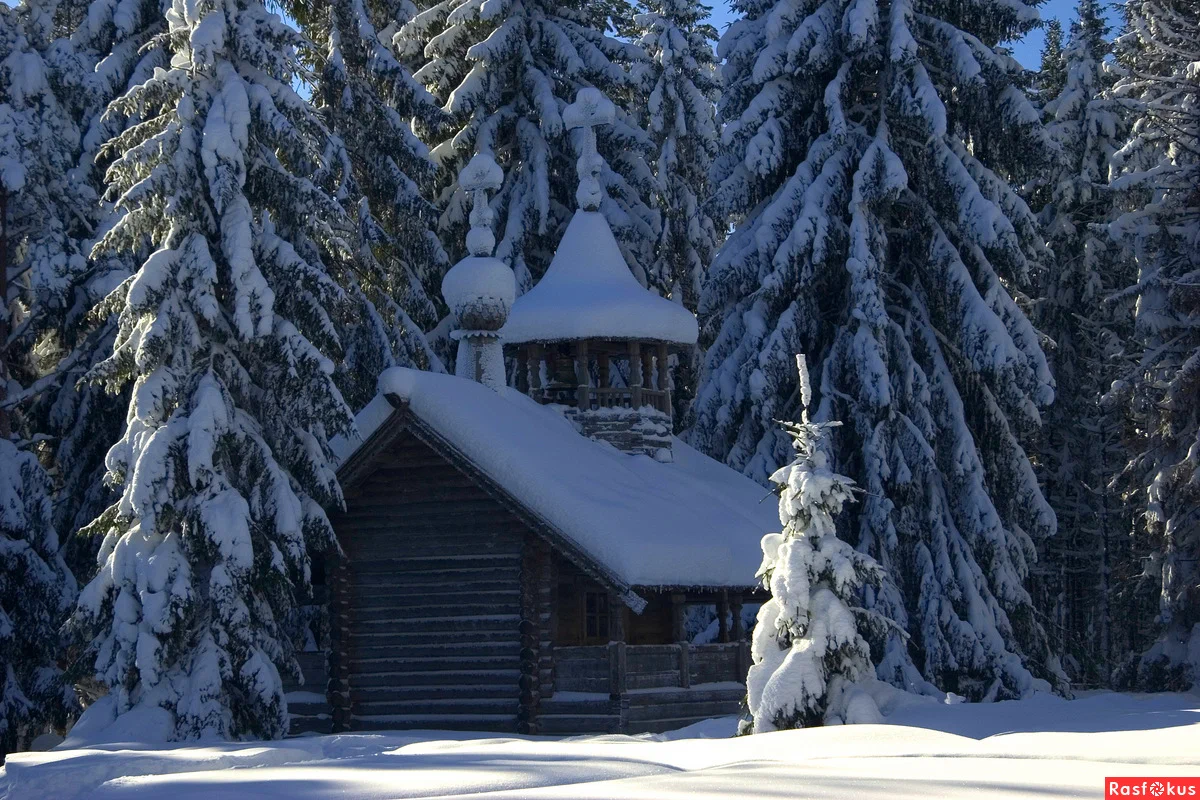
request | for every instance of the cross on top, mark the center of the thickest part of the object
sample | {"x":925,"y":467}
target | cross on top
{"x":591,"y":108}
{"x":479,"y":175}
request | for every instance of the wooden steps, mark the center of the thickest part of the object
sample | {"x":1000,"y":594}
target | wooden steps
{"x":645,"y":711}
{"x":307,"y":705}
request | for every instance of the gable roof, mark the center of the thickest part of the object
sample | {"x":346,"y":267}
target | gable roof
{"x":691,"y":523}
{"x":588,"y":292}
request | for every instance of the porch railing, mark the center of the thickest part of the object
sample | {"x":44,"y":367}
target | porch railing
{"x":617,"y":668}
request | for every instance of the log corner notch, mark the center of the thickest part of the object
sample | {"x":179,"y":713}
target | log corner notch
{"x":536,"y":653}
{"x":338,"y":689}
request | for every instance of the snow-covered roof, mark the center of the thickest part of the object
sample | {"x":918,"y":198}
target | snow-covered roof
{"x":694,"y":522}
{"x":588,"y":292}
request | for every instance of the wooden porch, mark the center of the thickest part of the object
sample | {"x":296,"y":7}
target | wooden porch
{"x":620,"y":688}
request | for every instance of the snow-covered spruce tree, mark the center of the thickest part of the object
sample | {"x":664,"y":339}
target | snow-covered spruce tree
{"x":1081,"y":447}
{"x":368,"y":99}
{"x":1159,"y":178}
{"x":809,"y":655}
{"x":50,"y":213}
{"x":225,"y":332}
{"x":36,"y":588}
{"x":1052,"y":76}
{"x":504,"y":71}
{"x":869,"y":148}
{"x":680,"y":83}
{"x":36,"y":592}
{"x":101,"y":49}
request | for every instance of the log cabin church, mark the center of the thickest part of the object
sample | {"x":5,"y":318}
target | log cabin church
{"x":522,"y":558}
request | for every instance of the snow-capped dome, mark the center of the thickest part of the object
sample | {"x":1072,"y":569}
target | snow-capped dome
{"x":480,"y":289}
{"x":589,"y":293}
{"x":480,"y":292}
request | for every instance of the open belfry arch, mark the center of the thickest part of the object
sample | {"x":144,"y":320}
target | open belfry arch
{"x":524,"y":559}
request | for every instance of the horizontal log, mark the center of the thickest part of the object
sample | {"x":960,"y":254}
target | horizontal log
{"x":385,"y":611}
{"x":408,"y":638}
{"x":470,"y":585}
{"x":578,"y":684}
{"x":492,"y":622}
{"x":403,"y":603}
{"x":574,"y":704}
{"x":436,"y":707}
{"x":385,"y":694}
{"x":403,"y":544}
{"x":365,"y":666}
{"x":586,"y":653}
{"x":653,"y":680}
{"x":450,"y":678}
{"x":451,"y":565}
{"x":504,"y":723}
{"x":458,"y":650}
{"x":708,"y":710}
{"x":465,"y":580}
{"x":682,"y":697}
{"x":550,"y":725}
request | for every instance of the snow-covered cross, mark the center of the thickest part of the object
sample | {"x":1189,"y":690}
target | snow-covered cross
{"x":479,"y":175}
{"x":591,"y":108}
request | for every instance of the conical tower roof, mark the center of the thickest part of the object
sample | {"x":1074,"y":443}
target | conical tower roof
{"x":589,"y":292}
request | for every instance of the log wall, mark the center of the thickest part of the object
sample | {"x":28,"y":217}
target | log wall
{"x":428,"y":601}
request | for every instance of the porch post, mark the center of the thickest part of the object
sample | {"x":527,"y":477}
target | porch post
{"x":723,"y":617}
{"x":617,"y":668}
{"x":602,"y":359}
{"x":536,"y":356}
{"x":582,"y":376}
{"x":677,"y":617}
{"x":680,"y":635}
{"x":635,"y":374}
{"x":664,"y":376}
{"x":648,"y":370}
{"x":523,"y":369}
{"x":739,"y":634}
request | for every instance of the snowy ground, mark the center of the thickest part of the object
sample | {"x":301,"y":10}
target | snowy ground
{"x":1043,"y":747}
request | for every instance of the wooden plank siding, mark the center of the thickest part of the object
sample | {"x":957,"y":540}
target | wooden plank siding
{"x":429,"y":625}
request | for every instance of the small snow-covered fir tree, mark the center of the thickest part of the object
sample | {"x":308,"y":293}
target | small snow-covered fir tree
{"x":1159,"y":178}
{"x":1081,"y":448}
{"x":810,"y":657}
{"x":505,"y":70}
{"x":870,"y":150}
{"x":226,"y":332}
{"x":369,"y":98}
